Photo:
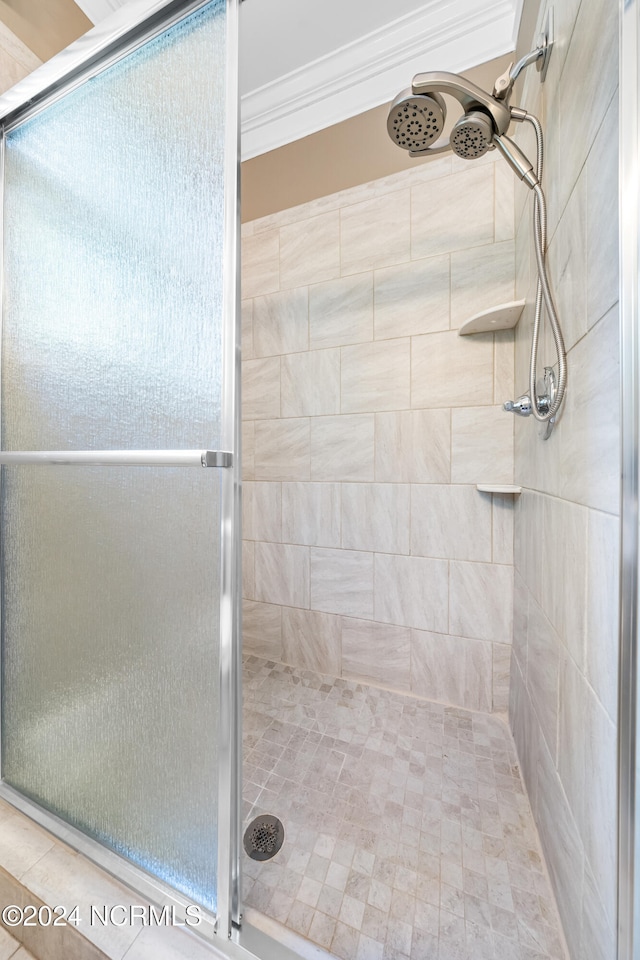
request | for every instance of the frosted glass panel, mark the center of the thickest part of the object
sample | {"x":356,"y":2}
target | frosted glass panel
{"x":113,"y":245}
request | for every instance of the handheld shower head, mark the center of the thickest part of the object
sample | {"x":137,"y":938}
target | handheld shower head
{"x":416,"y":121}
{"x":472,"y":135}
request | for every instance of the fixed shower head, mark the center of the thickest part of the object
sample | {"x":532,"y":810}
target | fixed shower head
{"x":416,"y":121}
{"x":416,"y":118}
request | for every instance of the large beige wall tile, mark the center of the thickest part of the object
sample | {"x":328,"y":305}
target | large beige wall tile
{"x":310,"y":250}
{"x":451,"y":371}
{"x":262,"y":629}
{"x":281,"y":323}
{"x":452,"y":213}
{"x":567,"y":261}
{"x":481,"y":445}
{"x":543,"y":668}
{"x":502,"y":528}
{"x":312,"y":640}
{"x":376,"y":376}
{"x":412,"y":592}
{"x":503,"y":366}
{"x":501,"y":676}
{"x":413,"y":446}
{"x":311,"y":514}
{"x":603,"y":570}
{"x":247,"y":329}
{"x":311,"y":383}
{"x":248,"y":450}
{"x":451,"y":669}
{"x":375,"y":516}
{"x":481,"y":278}
{"x":341,"y":311}
{"x":564,"y":572}
{"x":261,"y":389}
{"x":481,"y":601}
{"x":248,"y":570}
{"x":375,"y":233}
{"x":260,"y":263}
{"x":376,"y":651}
{"x":450,"y":522}
{"x":342,"y":582}
{"x":412,"y":298}
{"x":282,"y":449}
{"x":262,"y":511}
{"x":342,"y":448}
{"x":282,"y":574}
{"x":504,"y":212}
{"x":602,"y":219}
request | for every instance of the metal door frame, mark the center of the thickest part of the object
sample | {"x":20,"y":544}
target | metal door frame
{"x":121,"y":34}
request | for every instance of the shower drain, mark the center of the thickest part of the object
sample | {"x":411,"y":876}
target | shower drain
{"x":263,"y":837}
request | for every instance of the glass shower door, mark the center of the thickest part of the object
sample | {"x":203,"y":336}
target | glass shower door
{"x":119,"y":489}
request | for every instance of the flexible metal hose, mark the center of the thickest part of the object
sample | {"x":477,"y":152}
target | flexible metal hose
{"x":543,"y":290}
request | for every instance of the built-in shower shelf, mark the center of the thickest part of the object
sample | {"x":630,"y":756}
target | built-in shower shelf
{"x":498,"y":488}
{"x":503,"y":317}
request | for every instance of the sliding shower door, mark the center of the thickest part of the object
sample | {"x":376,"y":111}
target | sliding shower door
{"x":119,"y":448}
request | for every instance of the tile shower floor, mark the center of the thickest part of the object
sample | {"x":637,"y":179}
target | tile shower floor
{"x":408,"y":830}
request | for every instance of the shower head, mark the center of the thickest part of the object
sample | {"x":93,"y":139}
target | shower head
{"x":416,"y":121}
{"x":416,"y":118}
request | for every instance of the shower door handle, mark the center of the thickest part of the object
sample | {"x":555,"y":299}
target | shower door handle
{"x":117,"y":458}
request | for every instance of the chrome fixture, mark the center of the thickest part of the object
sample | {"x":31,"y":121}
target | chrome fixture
{"x":416,"y":120}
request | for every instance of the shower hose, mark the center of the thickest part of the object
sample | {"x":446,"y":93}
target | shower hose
{"x":543,"y":290}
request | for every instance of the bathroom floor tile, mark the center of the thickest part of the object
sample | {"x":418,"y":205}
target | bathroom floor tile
{"x":407,"y":828}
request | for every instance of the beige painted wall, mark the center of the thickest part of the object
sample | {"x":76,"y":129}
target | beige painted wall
{"x":355,"y":151}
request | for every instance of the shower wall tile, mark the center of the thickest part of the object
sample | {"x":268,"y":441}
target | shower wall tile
{"x":281,"y":323}
{"x":598,"y":933}
{"x":376,"y":376}
{"x":502,"y":528}
{"x":543,"y":666}
{"x":453,"y":213}
{"x":247,"y":329}
{"x":260,"y":263}
{"x":310,"y":250}
{"x":351,"y":373}
{"x":312,"y":640}
{"x":450,"y":522}
{"x":501,"y":662}
{"x":481,"y":445}
{"x":568,"y":265}
{"x":481,"y":601}
{"x":412,"y":298}
{"x":262,"y":629}
{"x":341,"y":311}
{"x":248,"y":569}
{"x":564,"y":573}
{"x":282,"y":574}
{"x":481,"y":278}
{"x":261,"y":389}
{"x":412,"y":592}
{"x":451,"y":669}
{"x":389,"y":503}
{"x":603,"y":570}
{"x":451,"y":371}
{"x":342,"y":448}
{"x":262,"y":511}
{"x":375,"y":233}
{"x":342,"y":582}
{"x":504,"y":210}
{"x":311,"y":383}
{"x":376,"y":651}
{"x":282,"y":449}
{"x":413,"y":446}
{"x":602,"y":270}
{"x":311,"y":514}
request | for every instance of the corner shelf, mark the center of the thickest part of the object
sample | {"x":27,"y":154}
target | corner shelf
{"x":503,"y":317}
{"x":499,"y":488}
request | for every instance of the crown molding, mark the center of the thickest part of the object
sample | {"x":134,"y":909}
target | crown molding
{"x":441,"y":35}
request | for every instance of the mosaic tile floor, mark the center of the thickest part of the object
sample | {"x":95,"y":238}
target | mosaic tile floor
{"x":408,"y":832}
